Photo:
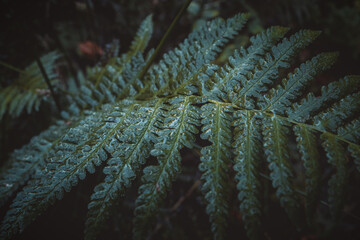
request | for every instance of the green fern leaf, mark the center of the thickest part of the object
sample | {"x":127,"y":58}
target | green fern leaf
{"x":120,"y":119}
{"x":141,"y":40}
{"x":267,"y":69}
{"x":280,"y":97}
{"x":350,"y":131}
{"x":177,"y":131}
{"x":80,"y":150}
{"x":275,"y":133}
{"x":247,"y":160}
{"x":229,"y":77}
{"x":329,"y":94}
{"x":333,"y":117}
{"x":24,"y":93}
{"x":136,"y":139}
{"x":215,"y":160}
{"x":179,"y":70}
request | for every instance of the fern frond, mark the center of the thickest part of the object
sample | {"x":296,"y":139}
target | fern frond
{"x":350,"y":131}
{"x":24,"y":162}
{"x":141,"y":40}
{"x":176,"y":131}
{"x":266,"y":71}
{"x":136,"y":140}
{"x":179,"y":70}
{"x":278,"y":98}
{"x":275,"y":133}
{"x":113,"y":69}
{"x":247,"y":160}
{"x":333,"y":117}
{"x":307,"y":145}
{"x":25,"y":92}
{"x":215,"y":160}
{"x":329,"y":94}
{"x":229,"y":77}
{"x":335,"y":153}
{"x":80,"y":150}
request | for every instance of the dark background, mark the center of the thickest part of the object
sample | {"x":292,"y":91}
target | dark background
{"x":30,"y":28}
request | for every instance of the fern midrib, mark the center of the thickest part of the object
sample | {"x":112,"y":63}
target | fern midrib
{"x":269,"y":68}
{"x":271,"y":114}
{"x":139,"y":47}
{"x":245,"y":59}
{"x":249,"y":151}
{"x":95,"y":150}
{"x":150,"y":123}
{"x":286,"y":91}
{"x":174,"y":143}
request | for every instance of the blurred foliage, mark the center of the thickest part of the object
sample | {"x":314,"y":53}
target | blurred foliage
{"x":29,"y":89}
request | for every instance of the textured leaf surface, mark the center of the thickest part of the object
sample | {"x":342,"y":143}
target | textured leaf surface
{"x":268,"y":68}
{"x":248,"y":151}
{"x":275,"y":133}
{"x":177,"y":131}
{"x":80,"y":150}
{"x":128,"y":152}
{"x":215,"y":160}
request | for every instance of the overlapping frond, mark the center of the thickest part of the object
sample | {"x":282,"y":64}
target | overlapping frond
{"x":227,"y":80}
{"x":331,"y":93}
{"x":179,"y":70}
{"x":248,"y":154}
{"x":276,"y":132}
{"x":25,"y":161}
{"x":279,"y":98}
{"x":266,"y":71}
{"x":81,"y":149}
{"x":177,"y":130}
{"x":215,"y":160}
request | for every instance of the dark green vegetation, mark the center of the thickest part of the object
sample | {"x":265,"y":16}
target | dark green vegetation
{"x":250,"y":119}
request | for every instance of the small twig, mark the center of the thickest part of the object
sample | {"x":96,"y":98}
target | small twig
{"x":164,"y":38}
{"x":12,"y":67}
{"x":175,"y":207}
{"x":183,"y":198}
{"x":47,"y":80}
